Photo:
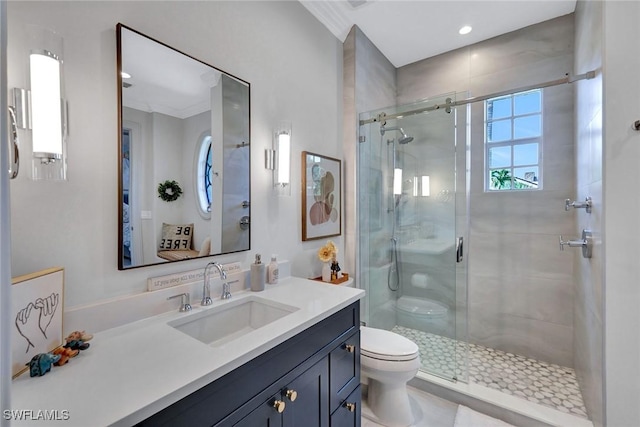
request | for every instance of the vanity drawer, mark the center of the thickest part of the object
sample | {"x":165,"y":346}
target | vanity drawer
{"x":344,"y":362}
{"x":349,"y":413}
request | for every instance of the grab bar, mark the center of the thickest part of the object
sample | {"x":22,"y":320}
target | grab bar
{"x":14,"y":153}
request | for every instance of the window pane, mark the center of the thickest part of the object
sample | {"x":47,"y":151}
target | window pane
{"x":527,"y":127}
{"x":525,"y":178}
{"x":499,"y":179}
{"x":498,"y":108}
{"x":500,"y":157}
{"x":525,"y":154}
{"x":526,"y":103}
{"x":499,"y":131}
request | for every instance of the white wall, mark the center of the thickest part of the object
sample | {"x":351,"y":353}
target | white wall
{"x":293,"y":64}
{"x":369,"y":84}
{"x":621,"y":178}
{"x":588,"y":328}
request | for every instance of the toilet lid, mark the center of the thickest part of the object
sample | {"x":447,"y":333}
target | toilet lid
{"x":386,"y":345}
{"x":422,"y":307}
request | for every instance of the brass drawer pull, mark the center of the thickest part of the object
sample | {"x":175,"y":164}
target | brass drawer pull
{"x":292,"y":395}
{"x":279,"y":406}
{"x":350,"y":406}
{"x":350,"y":348}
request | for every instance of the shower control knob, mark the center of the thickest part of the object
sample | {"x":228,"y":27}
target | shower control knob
{"x":586,"y":243}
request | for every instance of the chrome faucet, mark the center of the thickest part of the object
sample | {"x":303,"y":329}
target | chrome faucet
{"x":185,"y":304}
{"x":206,"y":290}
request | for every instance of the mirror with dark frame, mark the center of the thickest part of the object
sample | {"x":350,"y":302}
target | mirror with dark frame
{"x":184,"y":145}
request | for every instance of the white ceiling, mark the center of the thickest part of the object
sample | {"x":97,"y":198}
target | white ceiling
{"x":408,"y":31}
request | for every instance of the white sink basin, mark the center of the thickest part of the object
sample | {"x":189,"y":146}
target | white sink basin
{"x":217,"y":326}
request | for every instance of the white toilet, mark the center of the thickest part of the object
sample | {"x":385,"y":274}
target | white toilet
{"x":388,"y":361}
{"x":423,"y":314}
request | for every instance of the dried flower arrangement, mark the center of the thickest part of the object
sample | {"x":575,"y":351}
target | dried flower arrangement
{"x":328,"y":252}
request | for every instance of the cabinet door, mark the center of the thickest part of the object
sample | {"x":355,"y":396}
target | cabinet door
{"x":310,"y":408}
{"x":265,"y":415}
{"x":349,"y":412}
{"x":345,"y":370}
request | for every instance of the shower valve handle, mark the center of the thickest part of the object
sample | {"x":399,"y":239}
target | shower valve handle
{"x":586,"y":243}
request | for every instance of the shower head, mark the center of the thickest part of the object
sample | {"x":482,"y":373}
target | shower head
{"x":405,"y":139}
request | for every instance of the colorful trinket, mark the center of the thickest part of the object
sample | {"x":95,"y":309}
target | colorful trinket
{"x":41,"y":363}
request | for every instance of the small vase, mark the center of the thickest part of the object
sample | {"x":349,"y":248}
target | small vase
{"x":326,"y":272}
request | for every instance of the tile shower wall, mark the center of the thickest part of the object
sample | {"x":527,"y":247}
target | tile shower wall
{"x":369,"y":83}
{"x":520,"y":284}
{"x":588,"y":307}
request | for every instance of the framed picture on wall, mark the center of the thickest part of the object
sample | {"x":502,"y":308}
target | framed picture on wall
{"x":321,"y":196}
{"x":36,"y":314}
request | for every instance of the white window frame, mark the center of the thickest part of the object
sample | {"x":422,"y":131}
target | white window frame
{"x":200,"y":168}
{"x":513,"y":142}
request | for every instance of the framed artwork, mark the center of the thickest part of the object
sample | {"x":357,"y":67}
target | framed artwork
{"x":321,"y":196}
{"x":36,"y":313}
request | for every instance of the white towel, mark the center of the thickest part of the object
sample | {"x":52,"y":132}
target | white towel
{"x":466,"y":417}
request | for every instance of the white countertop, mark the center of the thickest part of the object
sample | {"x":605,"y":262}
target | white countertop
{"x":133,"y":371}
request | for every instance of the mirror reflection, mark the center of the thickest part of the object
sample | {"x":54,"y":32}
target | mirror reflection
{"x":184,"y":189}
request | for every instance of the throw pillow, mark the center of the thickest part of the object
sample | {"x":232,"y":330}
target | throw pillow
{"x":176,"y":237}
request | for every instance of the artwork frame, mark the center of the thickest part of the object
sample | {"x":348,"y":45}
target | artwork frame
{"x":321,"y":196}
{"x":37,"y":307}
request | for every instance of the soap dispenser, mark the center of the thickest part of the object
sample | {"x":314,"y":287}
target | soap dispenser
{"x":257,"y":275}
{"x":272,"y":270}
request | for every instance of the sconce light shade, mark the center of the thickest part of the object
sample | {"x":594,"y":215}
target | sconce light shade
{"x":421,"y":186}
{"x":41,"y":109}
{"x":46,"y":111}
{"x":397,"y":181}
{"x":278,"y":159}
{"x":426,"y":186}
{"x":283,"y":168}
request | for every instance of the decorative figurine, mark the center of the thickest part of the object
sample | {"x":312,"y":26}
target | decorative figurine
{"x":77,"y":345}
{"x":77,"y":340}
{"x":65,"y":354}
{"x":79,"y":335}
{"x":41,"y":363}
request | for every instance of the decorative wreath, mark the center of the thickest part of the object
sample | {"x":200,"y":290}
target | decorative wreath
{"x":169,"y":191}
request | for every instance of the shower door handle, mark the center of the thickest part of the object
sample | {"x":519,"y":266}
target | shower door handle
{"x":459,"y":249}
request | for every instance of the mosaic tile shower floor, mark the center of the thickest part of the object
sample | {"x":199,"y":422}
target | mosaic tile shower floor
{"x":539,"y":382}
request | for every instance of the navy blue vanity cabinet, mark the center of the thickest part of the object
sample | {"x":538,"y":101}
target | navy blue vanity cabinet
{"x":307,"y":398}
{"x":345,"y":370}
{"x":349,"y":412}
{"x":307,"y":381}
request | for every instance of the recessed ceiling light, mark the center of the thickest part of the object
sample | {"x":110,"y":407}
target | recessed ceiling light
{"x":465,"y":30}
{"x":125,"y":75}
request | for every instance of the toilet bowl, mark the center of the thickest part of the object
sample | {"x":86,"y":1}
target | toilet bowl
{"x":388,"y":361}
{"x":423,"y":314}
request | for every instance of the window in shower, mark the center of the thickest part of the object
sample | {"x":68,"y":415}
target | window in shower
{"x":513,"y":142}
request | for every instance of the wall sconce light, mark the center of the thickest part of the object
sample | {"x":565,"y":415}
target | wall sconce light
{"x":397,"y":182}
{"x":421,"y":186}
{"x":43,"y":111}
{"x":278,"y":159}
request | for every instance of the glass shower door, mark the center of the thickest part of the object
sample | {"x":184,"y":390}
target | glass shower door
{"x":411,"y":232}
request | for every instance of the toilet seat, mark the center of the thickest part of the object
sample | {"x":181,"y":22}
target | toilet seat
{"x":421,"y":307}
{"x":385,"y":345}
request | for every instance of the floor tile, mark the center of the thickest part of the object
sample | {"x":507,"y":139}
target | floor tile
{"x":536,"y":381}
